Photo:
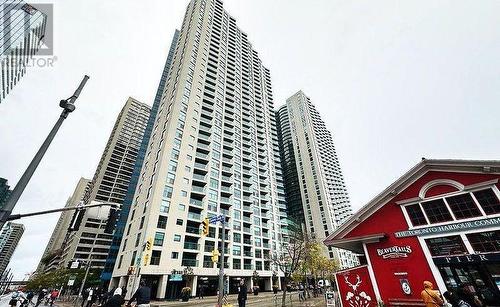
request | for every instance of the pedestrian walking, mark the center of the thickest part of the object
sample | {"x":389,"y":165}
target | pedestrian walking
{"x":142,"y":295}
{"x":301,"y":293}
{"x":431,"y":297}
{"x":90,"y":298}
{"x":53,"y":296}
{"x":242,"y":294}
{"x":41,"y":295}
{"x":200,"y":292}
{"x":116,"y":300}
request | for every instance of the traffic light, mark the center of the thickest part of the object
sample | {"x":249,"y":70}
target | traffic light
{"x":215,"y":256}
{"x":76,"y":220}
{"x":148,"y":244}
{"x":112,"y":218}
{"x":205,"y":224}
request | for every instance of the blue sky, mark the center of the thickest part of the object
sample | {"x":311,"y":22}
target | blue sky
{"x":394,"y":81}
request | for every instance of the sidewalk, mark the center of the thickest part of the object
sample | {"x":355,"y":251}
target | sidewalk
{"x":265,"y":299}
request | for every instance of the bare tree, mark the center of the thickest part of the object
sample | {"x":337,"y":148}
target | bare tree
{"x":290,"y":259}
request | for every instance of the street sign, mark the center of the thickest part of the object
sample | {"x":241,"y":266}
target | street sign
{"x":217,"y":218}
{"x":71,"y":281}
{"x":176,"y":277}
{"x":330,"y":298}
{"x":74,"y":265}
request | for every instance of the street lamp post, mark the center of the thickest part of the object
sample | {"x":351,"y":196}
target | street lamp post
{"x":68,"y":106}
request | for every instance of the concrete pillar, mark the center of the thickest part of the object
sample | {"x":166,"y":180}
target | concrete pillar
{"x":162,"y":287}
{"x":279,"y":283}
{"x":194,"y":286}
{"x":249,"y":280}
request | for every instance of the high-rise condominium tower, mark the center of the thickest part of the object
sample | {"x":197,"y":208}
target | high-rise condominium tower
{"x":127,"y":202}
{"x":10,"y":235}
{"x":22,"y":28}
{"x":4,"y":191}
{"x":315,"y":190}
{"x":109,"y":185}
{"x":213,"y":151}
{"x":51,"y":258}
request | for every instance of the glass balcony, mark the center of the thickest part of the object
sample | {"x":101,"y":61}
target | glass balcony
{"x":194,"y":216}
{"x":196,"y":202}
{"x":247,"y":229}
{"x":198,"y":189}
{"x":208,"y":264}
{"x":200,"y":166}
{"x":191,"y":245}
{"x":247,"y":267}
{"x":199,"y":177}
{"x":190,"y":262}
{"x":193,"y":230}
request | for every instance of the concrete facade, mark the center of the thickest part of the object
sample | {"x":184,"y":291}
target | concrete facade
{"x":51,"y":258}
{"x":9,"y":238}
{"x":213,"y":151}
{"x":109,"y":185}
{"x":313,"y":169}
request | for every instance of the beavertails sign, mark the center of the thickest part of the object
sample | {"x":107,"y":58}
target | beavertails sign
{"x":394,"y":252}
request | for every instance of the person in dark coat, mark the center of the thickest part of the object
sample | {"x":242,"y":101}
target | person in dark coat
{"x":242,"y":294}
{"x":142,"y":295}
{"x":116,"y":300}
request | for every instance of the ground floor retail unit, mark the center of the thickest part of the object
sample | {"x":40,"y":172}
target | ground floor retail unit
{"x":439,"y":222}
{"x":169,"y":286}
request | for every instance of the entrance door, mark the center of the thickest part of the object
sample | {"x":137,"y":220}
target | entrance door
{"x":473,"y":278}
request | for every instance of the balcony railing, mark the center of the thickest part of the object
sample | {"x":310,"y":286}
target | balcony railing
{"x":191,"y":245}
{"x":190,"y":262}
{"x":194,"y":216}
{"x":193,"y":230}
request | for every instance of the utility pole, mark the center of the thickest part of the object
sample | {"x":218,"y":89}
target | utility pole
{"x":68,"y":106}
{"x":221,"y":269}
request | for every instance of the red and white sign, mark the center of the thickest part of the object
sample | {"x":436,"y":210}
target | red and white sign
{"x":355,"y":288}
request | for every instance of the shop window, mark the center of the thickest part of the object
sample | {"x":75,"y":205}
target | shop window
{"x":416,"y":215}
{"x":484,"y":242}
{"x":155,"y":258}
{"x":488,"y":201}
{"x":446,"y":246}
{"x":437,"y":211}
{"x":463,"y":206}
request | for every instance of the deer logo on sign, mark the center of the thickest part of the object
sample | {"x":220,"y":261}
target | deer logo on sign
{"x":354,"y":298}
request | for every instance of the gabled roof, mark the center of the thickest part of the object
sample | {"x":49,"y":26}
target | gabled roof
{"x":424,"y":166}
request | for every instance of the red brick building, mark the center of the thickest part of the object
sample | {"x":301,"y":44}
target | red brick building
{"x":439,"y":222}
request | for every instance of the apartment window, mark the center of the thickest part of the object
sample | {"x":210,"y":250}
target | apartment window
{"x":175,"y":255}
{"x":162,"y":222}
{"x":167,"y":192}
{"x":124,"y":245}
{"x":132,"y":261}
{"x":184,"y":193}
{"x":416,"y":215}
{"x":159,"y":236}
{"x":120,"y":261}
{"x":185,"y":180}
{"x":170,"y":178}
{"x":155,"y":258}
{"x":164,"y":206}
{"x":236,"y":250}
{"x":142,"y":223}
{"x":172,"y":166}
{"x":436,"y":211}
{"x":463,"y":206}
{"x":488,"y":201}
{"x":237,"y":264}
{"x":187,"y":169}
{"x":179,"y":222}
{"x":446,"y":246}
{"x":237,"y":237}
{"x":181,"y":207}
{"x":137,"y":239}
{"x":484,"y":242}
{"x":177,"y":238}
